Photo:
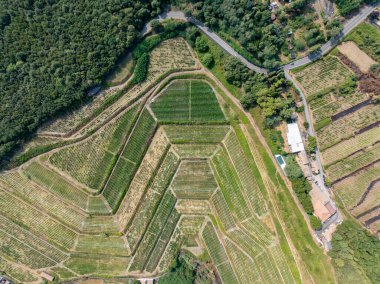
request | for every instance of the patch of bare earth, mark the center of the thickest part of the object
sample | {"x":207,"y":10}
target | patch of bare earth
{"x":356,"y":55}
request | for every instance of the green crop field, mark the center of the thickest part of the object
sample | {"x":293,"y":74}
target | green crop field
{"x":124,"y":201}
{"x":323,"y":74}
{"x":188,"y":100}
{"x":346,"y":116}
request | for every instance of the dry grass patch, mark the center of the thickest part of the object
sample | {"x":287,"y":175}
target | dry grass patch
{"x":356,"y":55}
{"x":353,"y":188}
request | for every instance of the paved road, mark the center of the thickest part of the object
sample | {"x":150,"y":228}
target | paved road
{"x":328,"y":46}
{"x":348,"y":26}
{"x":179,"y":15}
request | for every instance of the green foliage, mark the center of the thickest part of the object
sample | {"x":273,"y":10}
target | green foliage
{"x":201,"y":45}
{"x":292,"y":168}
{"x":156,"y":25}
{"x":208,"y":60}
{"x":302,"y":188}
{"x":348,"y":6}
{"x":312,"y":144}
{"x":50,"y":59}
{"x":334,"y":28}
{"x":261,"y":90}
{"x":352,"y":246}
{"x":192,"y":33}
{"x":315,"y":222}
{"x":367,"y":37}
{"x":248,"y":27}
{"x":141,"y":69}
{"x":185,"y":270}
{"x":300,"y":44}
{"x":322,"y":123}
{"x":300,"y":109}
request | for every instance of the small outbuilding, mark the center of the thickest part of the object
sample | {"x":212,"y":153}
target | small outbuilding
{"x":47,"y":276}
{"x":294,"y":139}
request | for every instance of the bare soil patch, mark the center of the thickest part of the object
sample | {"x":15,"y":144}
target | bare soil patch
{"x":356,"y":55}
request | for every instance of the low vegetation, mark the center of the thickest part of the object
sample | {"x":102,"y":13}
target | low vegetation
{"x":355,"y":254}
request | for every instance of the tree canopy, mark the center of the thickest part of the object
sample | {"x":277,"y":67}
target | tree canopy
{"x":54,"y":51}
{"x":353,"y":247}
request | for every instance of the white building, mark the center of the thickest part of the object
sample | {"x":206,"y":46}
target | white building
{"x":293,"y":136}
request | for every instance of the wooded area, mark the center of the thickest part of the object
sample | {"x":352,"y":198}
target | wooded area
{"x":54,"y":51}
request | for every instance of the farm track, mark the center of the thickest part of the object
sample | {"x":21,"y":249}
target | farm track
{"x":350,"y":110}
{"x":367,"y":191}
{"x":268,"y":183}
{"x":368,"y":211}
{"x":369,"y":127}
{"x":355,"y":172}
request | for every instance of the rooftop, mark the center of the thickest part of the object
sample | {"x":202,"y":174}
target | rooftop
{"x":294,"y":138}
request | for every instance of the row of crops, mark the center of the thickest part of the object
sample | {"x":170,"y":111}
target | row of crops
{"x":143,"y":177}
{"x":165,"y":184}
{"x":347,"y":125}
{"x":194,"y":180}
{"x":322,"y":74}
{"x":21,"y":187}
{"x":330,"y":104}
{"x":131,"y":157}
{"x":354,"y":162}
{"x":187,"y":101}
{"x":95,"y":156}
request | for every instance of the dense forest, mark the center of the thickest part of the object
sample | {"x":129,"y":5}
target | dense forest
{"x":53,"y":51}
{"x":348,"y":6}
{"x":355,"y":252}
{"x":251,"y":24}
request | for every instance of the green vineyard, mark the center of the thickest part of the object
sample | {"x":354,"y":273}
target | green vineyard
{"x":127,"y":199}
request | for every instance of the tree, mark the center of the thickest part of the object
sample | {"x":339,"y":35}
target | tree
{"x":201,"y":45}
{"x":315,"y":223}
{"x":191,"y":34}
{"x":156,"y":25}
{"x":312,"y":144}
{"x":353,"y":246}
{"x":141,"y":69}
{"x":78,"y":44}
{"x":208,"y":60}
{"x":292,"y":168}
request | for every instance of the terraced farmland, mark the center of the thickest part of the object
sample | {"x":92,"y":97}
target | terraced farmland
{"x":347,"y":127}
{"x":187,"y":100}
{"x":124,"y":201}
{"x":322,"y":74}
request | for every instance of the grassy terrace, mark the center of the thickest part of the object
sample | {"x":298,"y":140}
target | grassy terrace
{"x":187,"y":101}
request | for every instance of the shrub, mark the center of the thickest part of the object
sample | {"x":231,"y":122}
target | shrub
{"x":300,"y":109}
{"x":208,"y":60}
{"x":292,"y":168}
{"x":141,"y":69}
{"x":306,"y":125}
{"x":300,"y":44}
{"x":347,"y":6}
{"x":324,"y":122}
{"x":302,"y":187}
{"x":156,"y":25}
{"x":312,"y":144}
{"x":201,"y":45}
{"x":315,"y":223}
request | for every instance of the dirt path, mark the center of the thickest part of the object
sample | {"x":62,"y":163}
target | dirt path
{"x":268,"y":183}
